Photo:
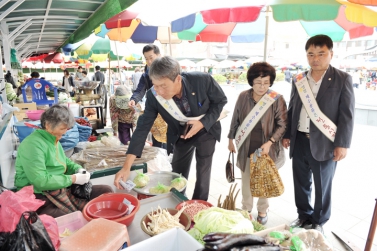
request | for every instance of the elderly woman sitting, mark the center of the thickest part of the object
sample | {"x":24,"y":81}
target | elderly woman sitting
{"x":41,"y":162}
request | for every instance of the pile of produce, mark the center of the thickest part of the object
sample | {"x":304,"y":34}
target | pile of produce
{"x":114,"y":156}
{"x":85,"y":129}
{"x":162,"y":220}
{"x":141,"y":179}
{"x":11,"y":94}
{"x":178,"y":183}
{"x":159,"y":189}
{"x":230,"y":200}
{"x":237,"y":242}
{"x":216,"y":219}
{"x":194,"y":208}
{"x":301,"y":240}
{"x":83,"y":122}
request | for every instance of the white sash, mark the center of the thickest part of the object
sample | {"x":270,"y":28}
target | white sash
{"x":320,"y":120}
{"x":171,"y":107}
{"x":254,"y":116}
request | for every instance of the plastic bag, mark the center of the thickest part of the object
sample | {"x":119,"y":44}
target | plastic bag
{"x":13,"y":204}
{"x":30,"y":234}
{"x":82,"y":191}
{"x":111,"y":141}
{"x":52,"y":229}
{"x":70,"y":138}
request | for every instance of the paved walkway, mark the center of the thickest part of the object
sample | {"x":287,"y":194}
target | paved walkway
{"x":354,"y":185}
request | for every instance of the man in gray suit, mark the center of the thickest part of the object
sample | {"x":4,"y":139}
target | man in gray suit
{"x":314,"y":150}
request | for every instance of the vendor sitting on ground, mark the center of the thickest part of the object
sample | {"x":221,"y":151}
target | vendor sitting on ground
{"x":123,"y":117}
{"x":41,"y":162}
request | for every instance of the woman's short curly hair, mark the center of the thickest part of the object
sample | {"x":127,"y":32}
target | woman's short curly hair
{"x":57,"y":115}
{"x":261,"y":69}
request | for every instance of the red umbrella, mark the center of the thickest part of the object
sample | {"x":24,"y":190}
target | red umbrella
{"x":364,"y":2}
{"x":56,"y":57}
{"x":37,"y":58}
{"x":123,"y":19}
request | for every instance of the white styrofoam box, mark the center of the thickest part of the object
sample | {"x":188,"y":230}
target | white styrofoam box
{"x":175,"y":239}
{"x":7,"y":163}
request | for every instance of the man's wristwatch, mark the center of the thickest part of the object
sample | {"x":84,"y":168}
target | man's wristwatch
{"x":273,"y":142}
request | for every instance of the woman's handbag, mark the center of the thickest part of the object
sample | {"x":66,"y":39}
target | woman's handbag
{"x":265,"y":181}
{"x":229,"y":168}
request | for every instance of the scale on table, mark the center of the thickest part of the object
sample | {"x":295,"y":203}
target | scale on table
{"x":92,"y":95}
{"x":88,"y":93}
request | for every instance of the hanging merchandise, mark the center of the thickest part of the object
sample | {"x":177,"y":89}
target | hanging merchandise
{"x":13,"y":59}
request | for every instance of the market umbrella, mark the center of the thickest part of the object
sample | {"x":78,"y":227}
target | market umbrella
{"x":213,"y":26}
{"x":56,"y":57}
{"x":125,"y":26}
{"x":334,"y":18}
{"x":37,"y":57}
{"x":187,"y":63}
{"x":99,"y":49}
{"x":207,"y":62}
{"x":225,"y":64}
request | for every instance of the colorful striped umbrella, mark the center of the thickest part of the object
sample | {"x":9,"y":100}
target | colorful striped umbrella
{"x":243,"y":24}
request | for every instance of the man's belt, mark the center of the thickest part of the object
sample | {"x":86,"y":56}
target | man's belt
{"x":305,"y":134}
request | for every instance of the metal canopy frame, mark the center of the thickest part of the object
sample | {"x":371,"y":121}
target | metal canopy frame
{"x":42,"y":24}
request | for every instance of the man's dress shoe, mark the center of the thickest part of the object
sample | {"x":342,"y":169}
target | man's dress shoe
{"x":318,"y":228}
{"x":300,"y":223}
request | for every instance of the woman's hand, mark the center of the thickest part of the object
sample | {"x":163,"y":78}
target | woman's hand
{"x":266,"y":148}
{"x":231,"y":146}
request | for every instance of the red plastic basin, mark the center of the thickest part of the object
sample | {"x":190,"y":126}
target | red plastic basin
{"x":107,"y":209}
{"x":126,"y":219}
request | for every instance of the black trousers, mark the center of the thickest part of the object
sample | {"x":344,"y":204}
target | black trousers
{"x":203,"y":143}
{"x":305,"y":167}
{"x":49,"y":208}
{"x":158,"y":143}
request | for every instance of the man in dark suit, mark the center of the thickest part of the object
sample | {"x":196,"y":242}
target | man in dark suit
{"x":312,"y":152}
{"x":194,"y":94}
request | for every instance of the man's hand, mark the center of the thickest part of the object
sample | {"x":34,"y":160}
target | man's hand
{"x":339,"y":153}
{"x":231,"y":147}
{"x":124,"y":173}
{"x":286,"y":143}
{"x":131,"y":103}
{"x":196,"y":126}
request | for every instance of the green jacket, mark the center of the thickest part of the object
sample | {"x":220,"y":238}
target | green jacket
{"x":41,"y":162}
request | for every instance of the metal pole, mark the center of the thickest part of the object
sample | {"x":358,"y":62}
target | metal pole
{"x":266,"y":35}
{"x":169,"y":34}
{"x":372,"y":230}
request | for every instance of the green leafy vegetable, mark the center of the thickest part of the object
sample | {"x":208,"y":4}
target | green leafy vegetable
{"x":141,"y":180}
{"x":160,"y":188}
{"x":216,"y":219}
{"x":178,"y":183}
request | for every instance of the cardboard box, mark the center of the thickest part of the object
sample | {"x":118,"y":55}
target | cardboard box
{"x":263,"y":233}
{"x":175,"y":239}
{"x":21,"y":115}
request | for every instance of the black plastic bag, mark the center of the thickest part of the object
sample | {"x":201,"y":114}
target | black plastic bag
{"x":30,"y":234}
{"x":82,"y":191}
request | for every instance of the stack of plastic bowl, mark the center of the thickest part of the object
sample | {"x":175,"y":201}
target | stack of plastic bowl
{"x":34,"y":114}
{"x":115,"y":197}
